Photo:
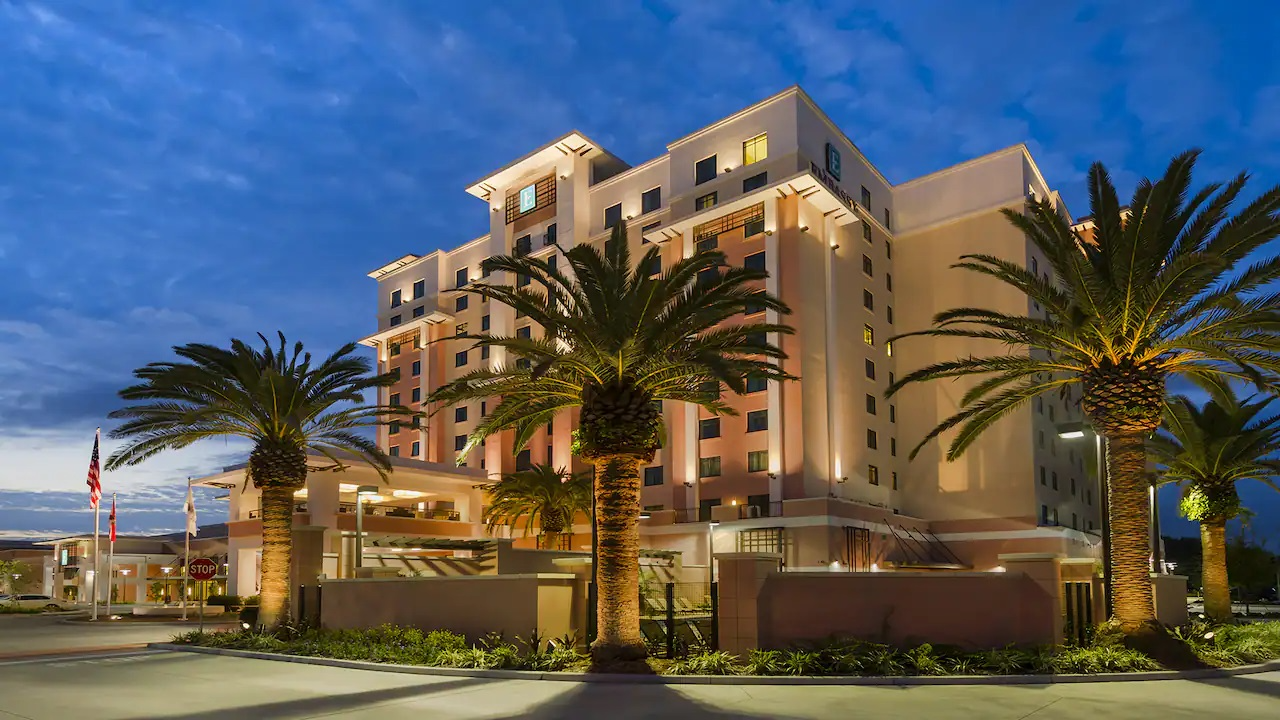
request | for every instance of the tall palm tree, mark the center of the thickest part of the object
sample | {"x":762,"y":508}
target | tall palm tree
{"x":546,"y":495}
{"x":1156,"y":293}
{"x":616,"y":342}
{"x":280,"y":402}
{"x":1207,"y":450}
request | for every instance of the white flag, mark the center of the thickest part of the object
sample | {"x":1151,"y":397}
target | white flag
{"x":190,"y":510}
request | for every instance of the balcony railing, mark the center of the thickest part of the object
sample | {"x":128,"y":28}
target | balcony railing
{"x":750,"y":511}
{"x":403,"y":512}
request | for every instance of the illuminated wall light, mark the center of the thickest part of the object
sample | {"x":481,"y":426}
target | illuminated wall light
{"x":407,"y":493}
{"x":875,"y":567}
{"x":998,"y":568}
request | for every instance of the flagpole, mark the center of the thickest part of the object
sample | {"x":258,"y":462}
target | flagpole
{"x":186,"y":553}
{"x":111,"y":556}
{"x":97,"y":559}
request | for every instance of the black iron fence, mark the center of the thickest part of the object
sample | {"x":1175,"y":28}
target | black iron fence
{"x":1077,"y":606}
{"x":675,"y":618}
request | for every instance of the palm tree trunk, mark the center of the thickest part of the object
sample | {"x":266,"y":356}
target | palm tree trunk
{"x":1130,"y":532}
{"x":277,"y":555}
{"x":1213,"y":548}
{"x":617,"y":492}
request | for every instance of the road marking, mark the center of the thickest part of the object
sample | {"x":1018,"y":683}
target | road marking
{"x":92,"y":656}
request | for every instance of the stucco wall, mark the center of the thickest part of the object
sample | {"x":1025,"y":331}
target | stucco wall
{"x":513,"y":605}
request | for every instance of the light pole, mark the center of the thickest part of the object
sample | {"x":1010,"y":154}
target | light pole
{"x":1075,"y":431}
{"x":166,"y":570}
{"x":361,"y":493}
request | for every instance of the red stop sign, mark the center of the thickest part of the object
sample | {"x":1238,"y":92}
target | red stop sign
{"x":202,"y":569}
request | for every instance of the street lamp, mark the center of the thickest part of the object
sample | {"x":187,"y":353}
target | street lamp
{"x":1076,"y":431}
{"x":361,"y":493}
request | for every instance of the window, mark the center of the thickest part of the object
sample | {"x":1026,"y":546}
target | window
{"x":417,"y":449}
{"x":460,"y":359}
{"x":866,"y":197}
{"x":888,"y":313}
{"x":888,"y":282}
{"x":549,"y":237}
{"x":871,"y":369}
{"x":1044,"y":514}
{"x":757,"y":420}
{"x":871,"y":404}
{"x":522,"y":280}
{"x":755,"y":149}
{"x":868,"y":300}
{"x":888,"y":348}
{"x":1040,"y":439}
{"x":888,"y":249}
{"x":709,"y":467}
{"x":755,"y":182}
{"x":756,"y":383}
{"x":393,"y":428}
{"x":484,"y":324}
{"x":394,"y":399}
{"x":706,"y":201}
{"x":704,"y":508}
{"x":867,"y":267}
{"x":872,"y":440}
{"x":704,"y":170}
{"x":460,"y":414}
{"x":758,"y":461}
{"x":894,"y":476}
{"x":1035,"y":266}
{"x":524,"y":459}
{"x":888,"y":224}
{"x":655,"y":265}
{"x":653,"y":476}
{"x":1043,"y":481}
{"x":1073,"y":487}
{"x":650,"y":200}
{"x":893,"y":447}
{"x":751,"y":219}
{"x":654,"y":508}
{"x":707,"y":243}
{"x":868,"y":335}
{"x":866,"y":233}
{"x":484,"y":352}
{"x":419,"y":289}
{"x":461,"y":277}
{"x":394,"y":451}
{"x":893,"y":413}
{"x":1050,"y":413}
{"x":1054,"y":478}
{"x":613,"y":215}
{"x":523,"y":245}
{"x":459,"y":442}
{"x":752,"y":307}
{"x":754,"y":261}
{"x":420,"y":311}
{"x":416,"y":395}
{"x":523,"y":364}
{"x":395,"y":374}
{"x":1055,"y":516}
{"x":650,"y":228}
{"x":525,"y":333}
{"x":709,"y":428}
{"x":708,"y":276}
{"x":873,"y":474}
{"x":394,"y":349}
{"x":1073,"y":521}
{"x":460,"y":303}
{"x":395,"y":298}
{"x":483,"y":406}
{"x":757,"y":339}
{"x":395,"y":320}
{"x":1040,"y":405}
{"x":416,"y":423}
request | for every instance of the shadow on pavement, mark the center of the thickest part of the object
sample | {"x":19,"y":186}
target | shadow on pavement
{"x":324,"y":705}
{"x":1249,"y":684}
{"x":622,"y":702}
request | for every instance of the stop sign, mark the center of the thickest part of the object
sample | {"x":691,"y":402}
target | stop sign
{"x":202,"y":569}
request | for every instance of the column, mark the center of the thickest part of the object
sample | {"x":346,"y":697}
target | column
{"x":741,"y":578}
{"x":774,"y":390}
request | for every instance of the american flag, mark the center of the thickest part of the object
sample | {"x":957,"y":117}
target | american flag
{"x":95,"y":487}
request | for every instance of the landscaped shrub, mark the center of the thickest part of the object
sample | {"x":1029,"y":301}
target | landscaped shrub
{"x":709,"y":663}
{"x":230,"y":602}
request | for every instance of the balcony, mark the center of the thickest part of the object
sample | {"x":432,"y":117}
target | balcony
{"x":402,"y":512}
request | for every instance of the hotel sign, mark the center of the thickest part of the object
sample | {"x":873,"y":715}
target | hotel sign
{"x":832,"y":183}
{"x":833,"y":161}
{"x":528,"y":199}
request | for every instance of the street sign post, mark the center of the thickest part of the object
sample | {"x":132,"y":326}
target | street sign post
{"x":202,"y":570}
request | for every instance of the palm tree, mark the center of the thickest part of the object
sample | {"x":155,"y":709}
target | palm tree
{"x":1207,"y":450}
{"x":280,"y":402}
{"x":1155,"y":294}
{"x":548,"y":496}
{"x":616,"y":342}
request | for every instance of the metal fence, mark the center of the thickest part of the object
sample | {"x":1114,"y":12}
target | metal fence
{"x":1077,"y":606}
{"x":675,"y":618}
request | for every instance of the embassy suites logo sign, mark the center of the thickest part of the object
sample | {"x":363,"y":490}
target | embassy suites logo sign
{"x":830,"y":175}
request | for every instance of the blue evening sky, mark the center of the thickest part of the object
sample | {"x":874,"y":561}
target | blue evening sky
{"x":190,"y":171}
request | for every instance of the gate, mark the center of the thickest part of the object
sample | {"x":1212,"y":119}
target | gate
{"x":675,"y":618}
{"x":1077,"y":607}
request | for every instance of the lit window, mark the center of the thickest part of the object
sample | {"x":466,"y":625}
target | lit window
{"x":755,"y":149}
{"x":650,"y":200}
{"x":613,"y":215}
{"x":706,"y":201}
{"x":709,"y":467}
{"x":757,"y":420}
{"x":888,"y":348}
{"x":873,"y":474}
{"x":868,"y":335}
{"x":704,"y":170}
{"x":758,"y":461}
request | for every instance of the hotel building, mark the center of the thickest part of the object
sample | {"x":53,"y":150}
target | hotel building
{"x":817,"y":468}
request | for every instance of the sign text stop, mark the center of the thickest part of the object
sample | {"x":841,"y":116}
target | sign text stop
{"x":202,"y":569}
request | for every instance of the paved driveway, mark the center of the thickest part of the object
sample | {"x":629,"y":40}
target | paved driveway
{"x":183,"y":686}
{"x":26,"y":635}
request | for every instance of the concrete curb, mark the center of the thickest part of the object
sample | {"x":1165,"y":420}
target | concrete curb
{"x":1203,"y":674}
{"x":193,"y":624}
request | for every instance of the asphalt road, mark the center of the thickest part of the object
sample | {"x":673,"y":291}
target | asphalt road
{"x":184,"y":686}
{"x":29,"y":635}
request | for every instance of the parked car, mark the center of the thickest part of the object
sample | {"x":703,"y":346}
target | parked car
{"x":31,"y":602}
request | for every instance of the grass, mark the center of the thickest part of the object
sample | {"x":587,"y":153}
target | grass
{"x":1217,"y":646}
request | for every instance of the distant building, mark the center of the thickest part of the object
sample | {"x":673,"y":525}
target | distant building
{"x":145,"y":568}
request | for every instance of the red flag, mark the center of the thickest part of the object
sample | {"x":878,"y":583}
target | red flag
{"x":95,"y":487}
{"x":113,"y":518}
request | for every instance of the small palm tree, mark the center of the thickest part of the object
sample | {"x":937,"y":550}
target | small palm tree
{"x":280,"y":402}
{"x":1207,"y":450}
{"x":1156,"y":293}
{"x":616,"y":342}
{"x":544,"y":495}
